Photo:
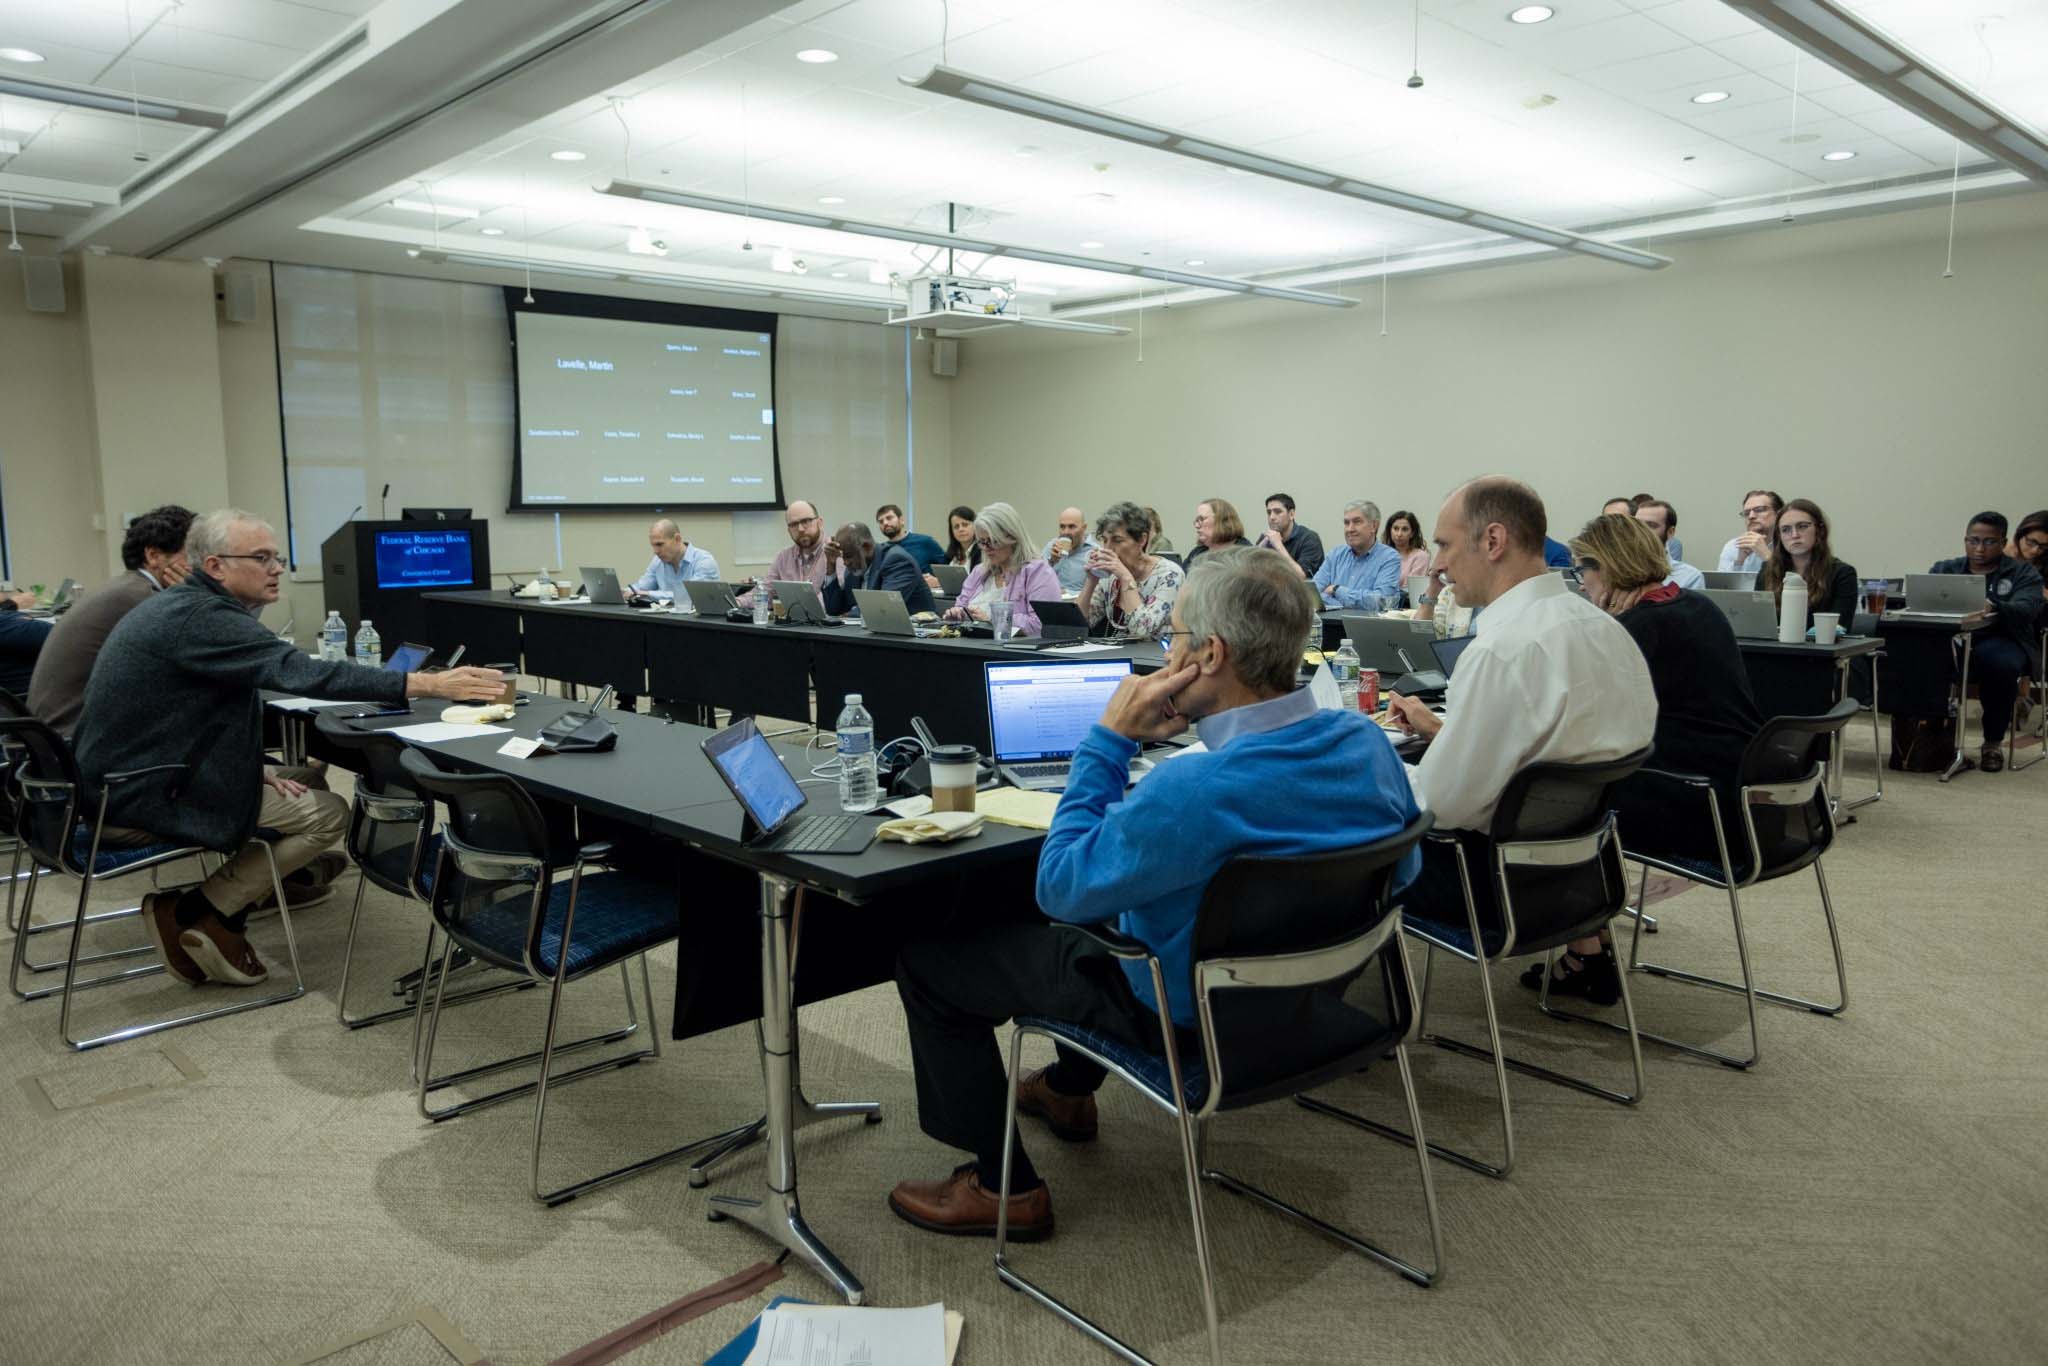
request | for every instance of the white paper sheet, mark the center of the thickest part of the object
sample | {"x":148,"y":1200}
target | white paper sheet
{"x":834,"y":1335}
{"x":439,"y":732}
{"x":1322,"y":686}
{"x":312,"y":703}
{"x":1082,"y":647}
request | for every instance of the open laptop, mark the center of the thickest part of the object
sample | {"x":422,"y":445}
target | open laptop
{"x":752,"y":769}
{"x":1447,"y":651}
{"x":408,"y":658}
{"x":1752,"y":612}
{"x":1039,"y":710}
{"x":1729,"y":580}
{"x":1940,"y":597}
{"x":712,"y":599}
{"x":801,"y":604}
{"x":602,"y":586}
{"x":952,"y":578}
{"x":1392,"y":645}
{"x":883,"y":611}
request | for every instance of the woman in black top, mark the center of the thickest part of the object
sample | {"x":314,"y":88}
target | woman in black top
{"x":1706,"y":717}
{"x":1802,"y":548}
{"x":960,"y":546}
{"x":1217,"y":526}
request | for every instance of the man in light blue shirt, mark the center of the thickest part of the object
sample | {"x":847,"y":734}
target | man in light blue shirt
{"x":1746,"y":553}
{"x":1662,"y":518}
{"x":675,"y":561}
{"x":1068,"y":552}
{"x":1362,"y":565}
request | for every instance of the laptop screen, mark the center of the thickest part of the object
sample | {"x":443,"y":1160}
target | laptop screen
{"x":1041,"y":709}
{"x":407,"y":658}
{"x":1447,"y":651}
{"x":755,"y":774}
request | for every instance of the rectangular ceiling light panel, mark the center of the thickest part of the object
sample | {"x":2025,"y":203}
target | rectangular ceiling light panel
{"x":111,"y":101}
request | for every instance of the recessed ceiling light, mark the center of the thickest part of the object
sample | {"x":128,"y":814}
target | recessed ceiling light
{"x":1091,"y":246}
{"x":1710,"y":97}
{"x":20,"y":54}
{"x":1194,"y":261}
{"x":1530,"y":14}
{"x":817,"y":56}
{"x":1838,"y":156}
{"x":492,"y":232}
{"x":1027,"y":150}
{"x":566,"y":154}
{"x":831,"y":199}
{"x":839,"y":275}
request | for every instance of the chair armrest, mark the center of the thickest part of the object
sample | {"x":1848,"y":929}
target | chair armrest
{"x":595,"y":851}
{"x":1121,"y":945}
{"x":1669,"y":775}
{"x":135,"y":774}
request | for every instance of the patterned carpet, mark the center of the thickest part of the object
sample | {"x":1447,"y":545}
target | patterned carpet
{"x":257,"y":1188}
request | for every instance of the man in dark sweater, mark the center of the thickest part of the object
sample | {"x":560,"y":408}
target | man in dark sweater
{"x":153,"y":556}
{"x":1290,"y":537}
{"x":176,"y":684}
{"x":2009,"y":650}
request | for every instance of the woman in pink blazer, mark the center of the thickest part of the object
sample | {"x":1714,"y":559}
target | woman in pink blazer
{"x":1009,"y":569}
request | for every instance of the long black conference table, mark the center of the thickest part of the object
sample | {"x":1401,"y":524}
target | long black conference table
{"x":764,"y":670}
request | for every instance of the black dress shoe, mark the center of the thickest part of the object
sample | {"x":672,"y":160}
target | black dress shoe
{"x":1595,"y":980}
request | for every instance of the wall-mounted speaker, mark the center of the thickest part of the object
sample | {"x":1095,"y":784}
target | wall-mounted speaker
{"x":945,"y":358}
{"x":238,"y":296}
{"x":43,"y":283}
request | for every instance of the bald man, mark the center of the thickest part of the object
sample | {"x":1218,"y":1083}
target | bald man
{"x":675,"y":561}
{"x":1068,"y":552}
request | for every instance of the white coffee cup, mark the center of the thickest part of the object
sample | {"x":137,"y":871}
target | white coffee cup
{"x":955,"y":769}
{"x":1826,"y":626}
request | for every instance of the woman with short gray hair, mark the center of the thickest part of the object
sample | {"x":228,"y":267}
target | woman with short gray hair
{"x":1128,"y":586}
{"x":1010,"y":571}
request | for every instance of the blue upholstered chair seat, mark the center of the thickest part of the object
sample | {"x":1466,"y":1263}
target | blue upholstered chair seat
{"x":617,"y":916}
{"x":112,"y":860}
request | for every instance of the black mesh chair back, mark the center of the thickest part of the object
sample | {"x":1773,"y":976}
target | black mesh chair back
{"x":11,"y":758}
{"x":494,"y":864}
{"x":390,"y":822}
{"x":1789,"y":817}
{"x":46,"y":788}
{"x":1557,"y":857}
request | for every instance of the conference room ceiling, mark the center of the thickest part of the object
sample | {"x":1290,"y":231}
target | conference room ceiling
{"x":1587,"y":121}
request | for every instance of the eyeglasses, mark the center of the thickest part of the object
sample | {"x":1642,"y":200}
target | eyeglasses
{"x":1757,"y":510}
{"x":1981,"y":541}
{"x":1793,"y":528}
{"x":983,"y":544}
{"x":266,"y":558}
{"x":1166,"y":636}
{"x":796,"y":522}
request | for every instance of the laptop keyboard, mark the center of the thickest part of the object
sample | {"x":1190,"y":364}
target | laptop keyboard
{"x":812,"y":832}
{"x":1035,"y":771}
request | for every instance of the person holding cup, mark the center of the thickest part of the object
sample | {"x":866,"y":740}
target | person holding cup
{"x":1067,"y":553}
{"x":1010,"y":574}
{"x":1802,"y":548}
{"x":1129,"y":588}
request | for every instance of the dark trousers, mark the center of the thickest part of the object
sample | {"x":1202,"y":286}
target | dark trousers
{"x":1437,"y":894}
{"x":959,"y":985}
{"x":1997,"y":664}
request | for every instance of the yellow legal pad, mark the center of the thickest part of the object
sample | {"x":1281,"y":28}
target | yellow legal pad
{"x":1018,"y":806}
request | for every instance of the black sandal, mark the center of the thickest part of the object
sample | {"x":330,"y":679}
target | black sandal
{"x":1596,"y":980}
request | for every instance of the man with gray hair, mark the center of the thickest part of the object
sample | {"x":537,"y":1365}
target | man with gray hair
{"x":675,"y":562}
{"x":175,"y":686}
{"x":1141,"y":858}
{"x":1362,"y":572}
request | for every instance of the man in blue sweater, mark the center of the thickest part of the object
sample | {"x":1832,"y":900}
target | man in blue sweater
{"x":1278,"y":777}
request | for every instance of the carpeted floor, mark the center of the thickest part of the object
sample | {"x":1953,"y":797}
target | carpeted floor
{"x":259,"y":1187}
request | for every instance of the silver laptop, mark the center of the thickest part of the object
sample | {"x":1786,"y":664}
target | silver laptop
{"x":1392,"y":645}
{"x":1040,"y":709}
{"x":601,"y":586}
{"x":883,"y":611}
{"x":1753,"y":614}
{"x":711,"y":598}
{"x":66,"y":591}
{"x":801,"y":604}
{"x":1730,"y":580}
{"x":952,"y":578}
{"x":1941,"y":597}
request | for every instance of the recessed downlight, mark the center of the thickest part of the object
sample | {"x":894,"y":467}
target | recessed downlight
{"x":1195,"y":261}
{"x":566,"y":154}
{"x":492,"y":232}
{"x":20,"y":54}
{"x":1838,"y":156}
{"x":1710,"y":97}
{"x":817,"y":56}
{"x":831,"y":199}
{"x":1530,"y":14}
{"x":1091,"y":246}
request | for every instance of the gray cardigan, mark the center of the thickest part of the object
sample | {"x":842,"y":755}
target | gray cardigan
{"x":176,"y":683}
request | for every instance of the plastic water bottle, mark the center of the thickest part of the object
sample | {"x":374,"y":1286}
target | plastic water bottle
{"x":1792,"y":610}
{"x":763,"y":613}
{"x":1344,"y":666}
{"x":334,"y":638}
{"x":856,"y":756}
{"x":369,"y":646}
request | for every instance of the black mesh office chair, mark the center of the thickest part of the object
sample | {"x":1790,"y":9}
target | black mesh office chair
{"x":2038,"y":729}
{"x":502,"y":890}
{"x":52,"y":826}
{"x":1788,"y":823}
{"x":1298,"y":980}
{"x":1553,"y":860}
{"x":11,"y":756}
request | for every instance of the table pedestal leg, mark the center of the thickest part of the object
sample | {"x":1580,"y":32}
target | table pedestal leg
{"x":1962,"y":759}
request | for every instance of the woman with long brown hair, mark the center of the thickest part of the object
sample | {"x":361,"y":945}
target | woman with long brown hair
{"x":1802,"y":548}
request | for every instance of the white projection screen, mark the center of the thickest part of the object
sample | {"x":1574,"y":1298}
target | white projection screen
{"x":624,"y":403}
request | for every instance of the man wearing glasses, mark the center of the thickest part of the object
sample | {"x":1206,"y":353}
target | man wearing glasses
{"x":2008,"y":651}
{"x":1745,"y":554}
{"x":805,"y":556}
{"x":175,"y":686}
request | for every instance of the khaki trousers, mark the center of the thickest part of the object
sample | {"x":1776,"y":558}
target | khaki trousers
{"x":310,"y":824}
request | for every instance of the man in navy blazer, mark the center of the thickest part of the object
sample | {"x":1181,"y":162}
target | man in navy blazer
{"x":853,"y":560}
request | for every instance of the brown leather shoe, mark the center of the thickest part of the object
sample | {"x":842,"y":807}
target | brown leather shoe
{"x":159,"y":913}
{"x":961,"y":1206}
{"x":1071,"y":1118}
{"x":222,"y":954}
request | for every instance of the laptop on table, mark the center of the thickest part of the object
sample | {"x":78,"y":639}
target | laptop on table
{"x":801,"y":604}
{"x":883,"y":612}
{"x":602,"y":586}
{"x":711,"y":599}
{"x":952,"y":578}
{"x":1039,"y":711}
{"x":771,"y":798}
{"x":1940,"y":597}
{"x":1752,"y":612}
{"x":1729,"y":580}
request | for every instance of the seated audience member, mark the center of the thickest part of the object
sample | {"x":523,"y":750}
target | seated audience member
{"x":1290,"y":537}
{"x":1439,"y":604}
{"x":1216,"y":525}
{"x":1130,"y":590}
{"x":1068,"y":552}
{"x":804,"y":556}
{"x":1551,"y":678}
{"x":675,"y":562}
{"x":1746,"y":554}
{"x":1140,"y":859}
{"x":1706,"y":715}
{"x":1672,"y":549}
{"x":1556,"y":554}
{"x":1161,"y":545}
{"x":960,"y":546}
{"x":2010,"y":648}
{"x":2030,"y":540}
{"x":21,"y":641}
{"x":1802,"y":548}
{"x":1010,"y":571}
{"x":1662,"y":518}
{"x":1361,"y":567}
{"x":153,"y":558}
{"x":854,"y":560}
{"x":1618,"y":507}
{"x":176,"y":684}
{"x":1405,"y":534}
{"x":889,"y":521}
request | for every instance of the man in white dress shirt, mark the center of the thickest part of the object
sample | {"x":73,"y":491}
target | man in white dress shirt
{"x":1746,"y":553}
{"x":1548,"y":678}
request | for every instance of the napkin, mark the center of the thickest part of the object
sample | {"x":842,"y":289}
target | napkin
{"x":469,"y":712}
{"x":934,"y":827}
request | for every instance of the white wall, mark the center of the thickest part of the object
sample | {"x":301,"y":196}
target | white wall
{"x":49,"y":475}
{"x":1828,"y":360}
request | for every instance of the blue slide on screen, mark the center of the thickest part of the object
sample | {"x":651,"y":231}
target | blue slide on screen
{"x":424,"y":559}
